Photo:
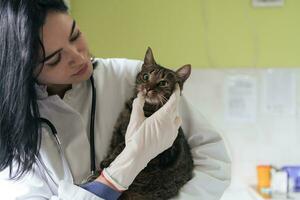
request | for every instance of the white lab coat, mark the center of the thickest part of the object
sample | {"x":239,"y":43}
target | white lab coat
{"x":114,"y":82}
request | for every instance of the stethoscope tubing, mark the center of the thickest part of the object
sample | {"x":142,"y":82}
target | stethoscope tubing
{"x":92,"y":134}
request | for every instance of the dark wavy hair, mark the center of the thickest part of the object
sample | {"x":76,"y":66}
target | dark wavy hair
{"x":20,"y":52}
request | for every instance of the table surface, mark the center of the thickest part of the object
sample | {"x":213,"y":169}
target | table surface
{"x":250,"y":193}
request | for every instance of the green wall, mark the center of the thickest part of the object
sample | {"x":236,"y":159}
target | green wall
{"x":204,"y":33}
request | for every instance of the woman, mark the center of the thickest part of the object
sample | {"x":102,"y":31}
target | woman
{"x":48,"y":83}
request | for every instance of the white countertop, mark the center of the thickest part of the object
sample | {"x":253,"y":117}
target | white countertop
{"x":248,"y":193}
{"x":234,"y":193}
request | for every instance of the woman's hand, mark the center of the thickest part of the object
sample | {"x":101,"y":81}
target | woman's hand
{"x":145,"y":139}
{"x":158,"y":132}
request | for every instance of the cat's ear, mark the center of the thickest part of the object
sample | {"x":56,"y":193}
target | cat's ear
{"x":149,"y":59}
{"x":184,"y":72}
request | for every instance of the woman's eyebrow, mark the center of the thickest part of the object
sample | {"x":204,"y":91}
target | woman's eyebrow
{"x":57,"y":51}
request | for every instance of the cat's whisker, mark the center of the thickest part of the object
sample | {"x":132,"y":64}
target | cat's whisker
{"x":159,"y":99}
{"x":136,"y":88}
{"x":165,"y":99}
{"x":133,"y":86}
{"x":162,"y":99}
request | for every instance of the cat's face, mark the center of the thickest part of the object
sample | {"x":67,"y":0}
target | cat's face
{"x":156,"y":82}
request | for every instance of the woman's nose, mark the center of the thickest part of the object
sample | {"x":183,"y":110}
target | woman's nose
{"x":76,"y":56}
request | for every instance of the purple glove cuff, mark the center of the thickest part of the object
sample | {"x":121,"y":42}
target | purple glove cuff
{"x":101,"y":190}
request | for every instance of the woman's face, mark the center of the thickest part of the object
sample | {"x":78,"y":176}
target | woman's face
{"x":67,"y":58}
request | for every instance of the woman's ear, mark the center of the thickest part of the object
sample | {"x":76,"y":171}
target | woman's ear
{"x":184,"y":72}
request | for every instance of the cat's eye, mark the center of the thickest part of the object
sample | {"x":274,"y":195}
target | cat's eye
{"x":162,"y":83}
{"x":145,"y":77}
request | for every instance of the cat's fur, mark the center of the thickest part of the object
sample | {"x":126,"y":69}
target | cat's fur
{"x":169,"y":171}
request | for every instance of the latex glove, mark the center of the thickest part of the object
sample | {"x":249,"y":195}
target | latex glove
{"x":145,"y":139}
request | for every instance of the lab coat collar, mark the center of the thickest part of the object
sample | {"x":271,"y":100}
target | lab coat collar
{"x":42,"y":93}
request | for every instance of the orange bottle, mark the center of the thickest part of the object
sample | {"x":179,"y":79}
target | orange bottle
{"x":264,"y":180}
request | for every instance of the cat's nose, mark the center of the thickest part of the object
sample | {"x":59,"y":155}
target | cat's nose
{"x":147,"y":88}
{"x":151,"y":93}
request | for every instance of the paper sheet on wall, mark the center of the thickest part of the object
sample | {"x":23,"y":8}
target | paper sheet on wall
{"x":240,"y":98}
{"x":267,"y":3}
{"x":279,"y":92}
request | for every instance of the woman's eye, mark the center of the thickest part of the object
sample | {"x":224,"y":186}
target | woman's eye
{"x":162,"y":83}
{"x":77,"y":35}
{"x":56,"y":61}
{"x":145,"y":77}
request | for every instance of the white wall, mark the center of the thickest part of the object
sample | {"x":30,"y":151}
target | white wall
{"x":269,"y":140}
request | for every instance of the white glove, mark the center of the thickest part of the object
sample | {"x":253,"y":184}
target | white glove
{"x":145,"y":138}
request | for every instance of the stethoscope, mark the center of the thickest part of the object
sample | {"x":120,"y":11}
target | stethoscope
{"x":93,"y":175}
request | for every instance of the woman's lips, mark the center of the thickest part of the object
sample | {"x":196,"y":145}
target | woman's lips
{"x":82,"y":70}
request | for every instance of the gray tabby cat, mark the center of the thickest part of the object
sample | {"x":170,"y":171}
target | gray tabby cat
{"x":169,"y":171}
